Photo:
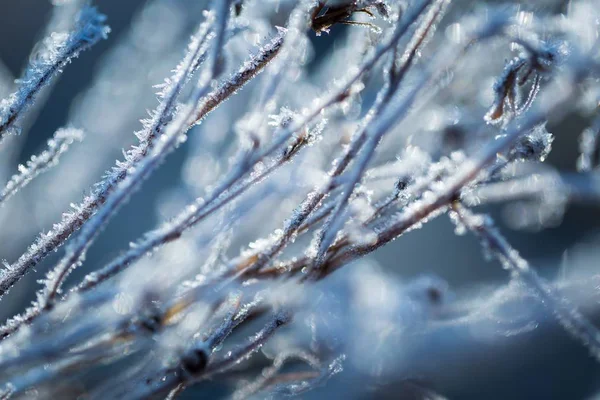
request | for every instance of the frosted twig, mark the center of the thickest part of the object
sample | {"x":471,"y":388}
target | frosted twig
{"x":254,"y":344}
{"x":371,"y":138}
{"x":282,"y":137}
{"x":228,"y":324}
{"x":293,"y":385}
{"x":196,"y":212}
{"x":583,"y":188}
{"x":426,"y":208}
{"x":268,"y":377}
{"x":469,"y":172}
{"x":173,"y":394}
{"x":187,"y":376}
{"x":588,"y":145}
{"x":389,"y":117}
{"x":39,"y":164}
{"x":190,"y":216}
{"x":403,"y":193}
{"x":51,"y":348}
{"x":60,"y":50}
{"x":72,"y":221}
{"x":567,"y":314}
{"x":343,"y":90}
{"x":245,"y":260}
{"x":160,"y":117}
{"x":315,"y":197}
{"x":166,"y":144}
{"x":396,"y":112}
{"x":161,"y":326}
{"x":164,"y":234}
{"x":34,"y":311}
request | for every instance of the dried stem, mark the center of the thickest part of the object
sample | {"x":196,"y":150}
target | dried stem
{"x":60,"y":50}
{"x":566,"y":313}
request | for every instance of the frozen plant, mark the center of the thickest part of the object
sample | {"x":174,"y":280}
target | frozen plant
{"x":302,"y":159}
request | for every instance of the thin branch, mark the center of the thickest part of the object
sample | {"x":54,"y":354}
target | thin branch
{"x":170,"y":139}
{"x":60,"y":50}
{"x":72,"y":221}
{"x":314,"y":198}
{"x":566,"y":314}
{"x":188,"y":377}
{"x":580,"y":187}
{"x":588,"y":146}
{"x":467,"y":174}
{"x":198,"y":211}
{"x":269,"y":375}
{"x":372,"y":138}
{"x":39,"y":164}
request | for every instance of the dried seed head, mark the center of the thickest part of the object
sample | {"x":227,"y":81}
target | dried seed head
{"x":534,"y":146}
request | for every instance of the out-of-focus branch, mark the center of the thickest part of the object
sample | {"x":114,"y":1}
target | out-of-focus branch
{"x":60,"y":50}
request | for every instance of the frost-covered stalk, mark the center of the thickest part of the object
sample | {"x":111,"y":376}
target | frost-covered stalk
{"x":226,"y":190}
{"x":386,"y":119}
{"x":471,"y":170}
{"x":173,"y":135}
{"x":269,"y":374}
{"x":177,"y":311}
{"x":302,"y":212}
{"x":81,"y":213}
{"x":193,"y":372}
{"x":588,"y":146}
{"x":204,"y":207}
{"x":73,"y":220}
{"x":584,"y":188}
{"x":59,"y":50}
{"x":566,"y":313}
{"x":190,"y":216}
{"x":167,"y":232}
{"x":372,"y":136}
{"x":40,"y":163}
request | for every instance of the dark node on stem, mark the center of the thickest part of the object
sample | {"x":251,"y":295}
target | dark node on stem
{"x":151,"y":318}
{"x":291,"y":150}
{"x":282,"y":318}
{"x":342,"y":96}
{"x":237,"y":7}
{"x":49,"y":305}
{"x":172,"y":236}
{"x":194,"y":361}
{"x":527,"y":149}
{"x":151,"y":323}
{"x":402,"y":183}
{"x":536,"y":145}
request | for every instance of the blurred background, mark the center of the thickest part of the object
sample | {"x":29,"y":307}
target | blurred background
{"x":541,"y":364}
